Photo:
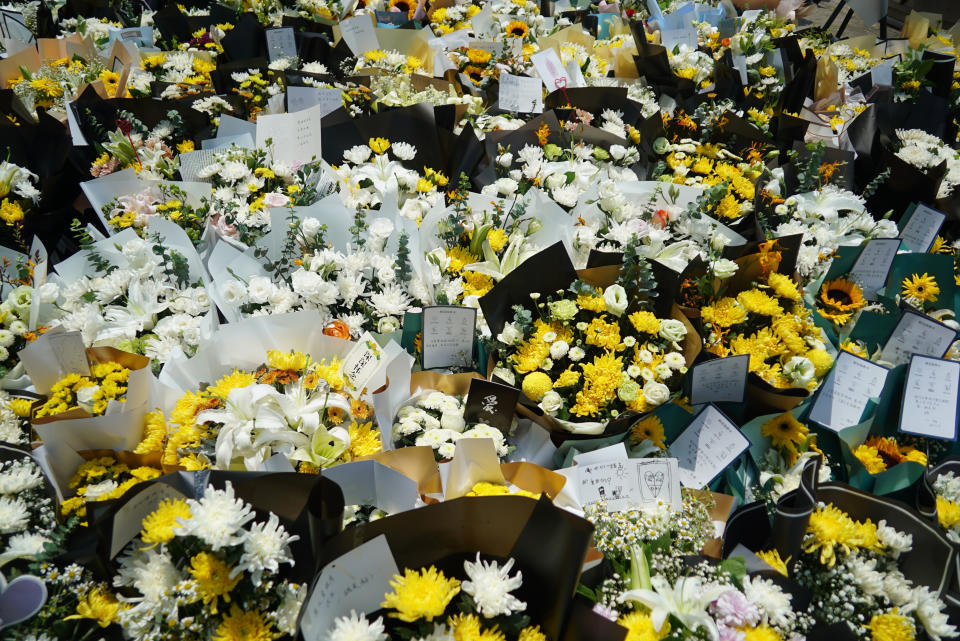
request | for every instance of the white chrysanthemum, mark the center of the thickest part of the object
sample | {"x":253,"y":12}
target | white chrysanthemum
{"x":26,"y":545}
{"x":266,"y":547}
{"x":101,"y":490}
{"x":286,"y":615}
{"x":19,"y":478}
{"x":436,"y":437}
{"x":217,"y":519}
{"x":894,"y":540}
{"x":150,"y":572}
{"x":490,"y":586}
{"x":391,"y":301}
{"x":772,"y":602}
{"x":865,"y":573}
{"x":355,"y":627}
{"x":931,"y":615}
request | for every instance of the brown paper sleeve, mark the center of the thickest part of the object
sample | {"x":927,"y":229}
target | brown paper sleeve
{"x":417,"y":463}
{"x":533,"y":478}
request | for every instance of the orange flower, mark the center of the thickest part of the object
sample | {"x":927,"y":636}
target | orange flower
{"x":337,"y":329}
{"x":543,"y":133}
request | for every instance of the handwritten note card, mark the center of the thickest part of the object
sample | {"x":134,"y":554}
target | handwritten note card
{"x":281,"y":43}
{"x":844,"y":395}
{"x":448,"y":333}
{"x":873,"y":265}
{"x":921,"y":229}
{"x":520,"y":93}
{"x":930,"y":398}
{"x":128,"y":521}
{"x":551,"y":70}
{"x":53,"y":356}
{"x":917,"y":334}
{"x":359,"y":34}
{"x":709,"y":444}
{"x":630,"y":484}
{"x":361,"y":363}
{"x":300,"y":98}
{"x":720,"y":380}
{"x":355,"y":581}
{"x":295,"y":137}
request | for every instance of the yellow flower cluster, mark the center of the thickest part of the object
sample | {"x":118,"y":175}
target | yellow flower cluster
{"x":831,"y":530}
{"x":117,"y":477}
{"x":494,"y":489}
{"x":109,"y":379}
{"x":880,"y":453}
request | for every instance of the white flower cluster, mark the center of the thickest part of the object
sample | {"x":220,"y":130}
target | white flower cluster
{"x":926,"y":151}
{"x":27,"y":514}
{"x":436,"y":419}
{"x":136,"y":304}
{"x":688,"y":528}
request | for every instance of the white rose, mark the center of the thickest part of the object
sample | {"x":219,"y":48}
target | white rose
{"x":551,"y":402}
{"x":388,"y":324}
{"x":260,"y":289}
{"x":656,"y":393}
{"x":505,"y":374}
{"x":672,"y":330}
{"x":615,"y":298}
{"x":799,"y":370}
{"x":310,"y":227}
{"x":724,"y":268}
{"x":452,"y":421}
{"x":48,"y":292}
{"x":510,"y":335}
{"x":559,"y":349}
{"x":233,"y":292}
{"x":381,"y":228}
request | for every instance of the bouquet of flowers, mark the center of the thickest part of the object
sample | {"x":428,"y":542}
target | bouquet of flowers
{"x":853,"y":569}
{"x":946,"y":487}
{"x":246,"y":184}
{"x":149,"y":151}
{"x":55,"y":83}
{"x":290,"y":405}
{"x":585,"y":360}
{"x":218,"y":567}
{"x":183,"y":72}
{"x":925,"y":152}
{"x":444,"y":20}
{"x":482,"y":67}
{"x":15,"y":419}
{"x":436,"y":419}
{"x":29,"y":513}
{"x":421,"y":605}
{"x":769,"y":322}
{"x":369,"y":175}
{"x":258,"y":90}
{"x":142,"y":297}
{"x":107,"y":382}
{"x":380,"y":60}
{"x":880,"y":453}
{"x":166,"y":201}
{"x":19,"y":194}
{"x":102,"y":479}
{"x":789,"y":447}
{"x":96,"y":29}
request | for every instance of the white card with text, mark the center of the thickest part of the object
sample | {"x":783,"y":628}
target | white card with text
{"x":873,"y":265}
{"x":295,"y":137}
{"x":706,"y":447}
{"x":448,"y":332}
{"x":520,"y":93}
{"x":930,"y":398}
{"x":917,"y":334}
{"x":844,"y":395}
{"x":922,"y":228}
{"x":720,"y":380}
{"x":630,"y":484}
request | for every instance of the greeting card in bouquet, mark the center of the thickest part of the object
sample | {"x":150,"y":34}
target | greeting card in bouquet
{"x":706,"y":447}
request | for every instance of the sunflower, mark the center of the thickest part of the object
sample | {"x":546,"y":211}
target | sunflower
{"x":784,"y":430}
{"x":649,"y":429}
{"x":842,"y":295}
{"x":517,"y":29}
{"x":403,"y":5}
{"x":473,"y":72}
{"x":478,"y":56}
{"x":923,"y":288}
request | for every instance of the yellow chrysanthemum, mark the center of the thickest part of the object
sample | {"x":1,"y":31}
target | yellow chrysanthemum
{"x":154,"y":434}
{"x":761,"y":633}
{"x":892,"y":626}
{"x":822,"y":361}
{"x":420,"y":595}
{"x":292,"y":362}
{"x":232,"y":381}
{"x":592,"y":303}
{"x":99,"y":604}
{"x":640,"y":627}
{"x":602,"y":377}
{"x":20,"y":406}
{"x":785,"y":430}
{"x":831,"y":528}
{"x":725,"y":312}
{"x":379,"y":145}
{"x":648,"y":429}
{"x":923,"y":288}
{"x":784,"y":287}
{"x":567,"y":378}
{"x":10,"y":212}
{"x":772,"y":558}
{"x":364,"y":440}
{"x":245,"y":625}
{"x":870,"y":458}
{"x":645,"y":322}
{"x":459,"y":257}
{"x":494,"y":489}
{"x":758,"y":302}
{"x":158,"y":526}
{"x":603,"y":334}
{"x":213,"y":579}
{"x":948,"y":512}
{"x":497,"y":239}
{"x":535,"y":385}
{"x":728,"y":207}
{"x":532,"y":633}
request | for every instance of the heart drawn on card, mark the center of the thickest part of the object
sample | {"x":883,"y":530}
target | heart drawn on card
{"x":20,"y":599}
{"x":654,"y":481}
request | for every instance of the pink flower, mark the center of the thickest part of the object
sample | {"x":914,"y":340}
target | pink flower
{"x":275,"y":199}
{"x":222,"y":227}
{"x":733,"y":609}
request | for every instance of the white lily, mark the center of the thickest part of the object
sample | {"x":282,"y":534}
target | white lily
{"x":497,"y":268}
{"x":138,"y":315}
{"x":687,"y":600}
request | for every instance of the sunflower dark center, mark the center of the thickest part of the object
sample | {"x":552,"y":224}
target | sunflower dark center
{"x":840,"y":296}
